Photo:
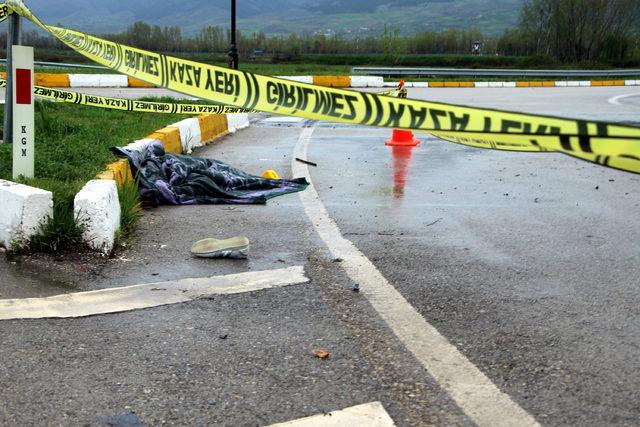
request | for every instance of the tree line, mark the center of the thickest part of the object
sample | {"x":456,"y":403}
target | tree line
{"x":565,"y":30}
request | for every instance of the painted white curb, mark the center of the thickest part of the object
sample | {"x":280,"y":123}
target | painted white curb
{"x":24,"y":210}
{"x":237,"y":121}
{"x":98,"y":211}
{"x":190,"y":134}
{"x":299,"y":79}
{"x":366,"y":81}
{"x":98,"y":80}
{"x":140,"y":145}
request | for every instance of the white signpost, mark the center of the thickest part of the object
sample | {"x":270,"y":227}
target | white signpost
{"x":23,"y":120}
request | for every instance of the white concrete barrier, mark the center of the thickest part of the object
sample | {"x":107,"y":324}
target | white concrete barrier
{"x":366,"y":81}
{"x":509,"y":84}
{"x":98,"y":211}
{"x":237,"y":121}
{"x":482,"y":84}
{"x":299,"y":79}
{"x":24,"y":210}
{"x":190,"y":134}
{"x":561,"y":84}
{"x":496,"y":84}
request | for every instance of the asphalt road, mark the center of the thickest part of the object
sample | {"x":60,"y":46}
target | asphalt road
{"x":528,"y":264}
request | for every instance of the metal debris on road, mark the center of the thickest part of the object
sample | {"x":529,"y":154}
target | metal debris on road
{"x":306,"y":162}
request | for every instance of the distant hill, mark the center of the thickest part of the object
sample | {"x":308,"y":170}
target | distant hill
{"x":348,"y":17}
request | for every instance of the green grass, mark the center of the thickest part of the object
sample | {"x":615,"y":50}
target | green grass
{"x":337,"y":64}
{"x":62,"y":232}
{"x":130,"y":206}
{"x":71,"y":146}
{"x":73,"y":141}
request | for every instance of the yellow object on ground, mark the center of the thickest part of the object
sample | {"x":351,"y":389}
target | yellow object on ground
{"x":271,"y":174}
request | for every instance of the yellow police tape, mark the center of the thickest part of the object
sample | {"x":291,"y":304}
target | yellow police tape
{"x":608,"y":144}
{"x":129,"y":104}
{"x":61,"y":95}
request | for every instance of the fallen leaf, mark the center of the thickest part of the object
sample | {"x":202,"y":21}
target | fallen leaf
{"x":321,"y":354}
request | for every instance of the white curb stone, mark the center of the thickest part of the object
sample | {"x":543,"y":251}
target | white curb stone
{"x":98,"y":80}
{"x":299,"y":79}
{"x":140,"y":145}
{"x":98,"y":210}
{"x":482,"y":84}
{"x":114,"y":80}
{"x":190,"y":134}
{"x":24,"y":210}
{"x":237,"y":121}
{"x":584,"y":83}
{"x":366,"y":81}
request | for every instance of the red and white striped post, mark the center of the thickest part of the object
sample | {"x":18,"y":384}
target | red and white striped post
{"x":23,"y":112}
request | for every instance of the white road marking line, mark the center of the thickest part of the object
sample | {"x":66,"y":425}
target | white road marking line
{"x":474,"y":393}
{"x":149,"y":295}
{"x":367,"y":415}
{"x":616,"y":99}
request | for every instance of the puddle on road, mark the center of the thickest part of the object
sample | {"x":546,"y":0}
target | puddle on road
{"x":16,"y":282}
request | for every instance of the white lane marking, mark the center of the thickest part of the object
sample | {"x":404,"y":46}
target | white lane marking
{"x":616,"y":99}
{"x":474,"y":393}
{"x":149,"y":295}
{"x":367,"y":415}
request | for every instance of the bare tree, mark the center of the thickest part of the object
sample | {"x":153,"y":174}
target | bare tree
{"x":577,"y":30}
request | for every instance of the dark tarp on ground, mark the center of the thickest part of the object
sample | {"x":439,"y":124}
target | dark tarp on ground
{"x":167,"y":178}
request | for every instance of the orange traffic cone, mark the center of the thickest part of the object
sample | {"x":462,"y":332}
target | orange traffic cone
{"x":401,"y":137}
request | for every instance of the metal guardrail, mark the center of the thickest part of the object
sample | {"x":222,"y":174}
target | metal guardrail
{"x":393,"y":71}
{"x":62,"y":65}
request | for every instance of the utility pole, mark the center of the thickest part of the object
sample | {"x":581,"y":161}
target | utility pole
{"x":13,"y":38}
{"x":233,"y":51}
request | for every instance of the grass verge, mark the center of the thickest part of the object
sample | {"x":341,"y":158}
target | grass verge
{"x":71,"y":146}
{"x":62,"y":232}
{"x":130,"y":207}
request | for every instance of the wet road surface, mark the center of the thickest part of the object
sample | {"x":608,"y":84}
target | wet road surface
{"x":526,"y":263}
